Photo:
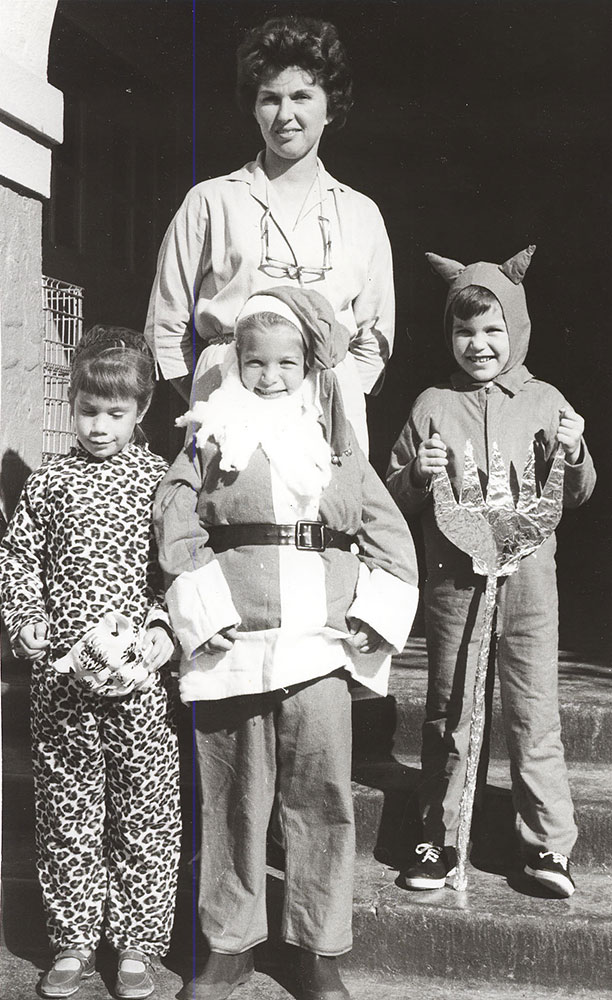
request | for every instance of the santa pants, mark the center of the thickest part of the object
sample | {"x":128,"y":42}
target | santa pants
{"x":300,"y":737}
{"x":527,"y":663}
{"x":107,"y":814}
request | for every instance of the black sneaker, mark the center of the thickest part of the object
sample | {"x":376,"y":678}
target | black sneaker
{"x":432,"y":867}
{"x":552,"y":870}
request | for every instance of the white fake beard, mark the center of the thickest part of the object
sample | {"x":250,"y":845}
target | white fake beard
{"x":288,"y":430}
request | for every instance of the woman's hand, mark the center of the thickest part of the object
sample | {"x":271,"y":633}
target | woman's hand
{"x":431,"y":458}
{"x":221,"y":641}
{"x":32,"y":642}
{"x":362,"y":637}
{"x":157,"y":648}
{"x":569,"y":434}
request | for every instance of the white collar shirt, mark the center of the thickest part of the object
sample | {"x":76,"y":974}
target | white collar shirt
{"x":210,"y":263}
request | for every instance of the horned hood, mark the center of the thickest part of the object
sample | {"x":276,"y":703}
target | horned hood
{"x":505,"y":282}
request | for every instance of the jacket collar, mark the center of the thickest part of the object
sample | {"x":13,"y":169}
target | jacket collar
{"x":511,"y":382}
{"x":254,"y":175}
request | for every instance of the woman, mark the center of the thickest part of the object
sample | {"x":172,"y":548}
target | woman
{"x":280,"y":219}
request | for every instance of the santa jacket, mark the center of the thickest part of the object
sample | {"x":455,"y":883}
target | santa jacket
{"x":291,"y":606}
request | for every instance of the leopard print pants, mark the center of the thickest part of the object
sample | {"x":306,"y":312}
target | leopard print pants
{"x":107,"y":813}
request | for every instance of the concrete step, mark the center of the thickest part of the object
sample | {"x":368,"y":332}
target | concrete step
{"x":22,"y":965}
{"x":387,"y":815}
{"x":394,"y":723}
{"x":505,"y":928}
{"x":500,"y":930}
{"x":388,"y":826}
{"x":501,"y":934}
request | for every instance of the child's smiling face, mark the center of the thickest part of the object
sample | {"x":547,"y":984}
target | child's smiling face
{"x":481,"y":345}
{"x":272,"y":362}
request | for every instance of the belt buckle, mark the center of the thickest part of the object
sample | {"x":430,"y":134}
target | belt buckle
{"x":310,"y":536}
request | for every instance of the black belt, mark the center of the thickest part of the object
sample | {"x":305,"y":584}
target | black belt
{"x":313,"y":536}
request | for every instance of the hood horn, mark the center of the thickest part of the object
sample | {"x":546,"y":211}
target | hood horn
{"x":447,"y":268}
{"x":515,"y":267}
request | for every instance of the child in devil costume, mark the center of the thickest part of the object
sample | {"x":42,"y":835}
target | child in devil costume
{"x":491,"y":399}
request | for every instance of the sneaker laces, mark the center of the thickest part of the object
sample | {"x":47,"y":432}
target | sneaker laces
{"x":559,"y":859}
{"x":429,"y":851}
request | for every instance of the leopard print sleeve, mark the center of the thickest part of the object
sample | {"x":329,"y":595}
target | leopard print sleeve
{"x":23,"y":556}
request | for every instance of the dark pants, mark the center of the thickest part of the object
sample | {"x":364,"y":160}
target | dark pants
{"x":527,"y":663}
{"x":300,"y":739}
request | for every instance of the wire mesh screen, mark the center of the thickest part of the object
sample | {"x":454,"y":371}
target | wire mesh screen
{"x":63,"y":312}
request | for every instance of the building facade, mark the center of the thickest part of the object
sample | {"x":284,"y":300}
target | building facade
{"x":31,"y":125}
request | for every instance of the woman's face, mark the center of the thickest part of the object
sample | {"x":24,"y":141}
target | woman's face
{"x":291,"y":111}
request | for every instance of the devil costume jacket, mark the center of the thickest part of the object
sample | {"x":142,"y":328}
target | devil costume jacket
{"x":518,"y":413}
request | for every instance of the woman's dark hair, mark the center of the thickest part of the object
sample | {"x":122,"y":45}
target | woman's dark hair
{"x":113,"y":362}
{"x":311,"y":45}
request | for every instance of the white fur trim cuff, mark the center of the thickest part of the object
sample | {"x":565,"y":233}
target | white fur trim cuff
{"x":200,"y":605}
{"x":385,"y":603}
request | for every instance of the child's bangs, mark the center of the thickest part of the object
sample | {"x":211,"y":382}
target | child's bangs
{"x":107,"y":377}
{"x":474,"y":300}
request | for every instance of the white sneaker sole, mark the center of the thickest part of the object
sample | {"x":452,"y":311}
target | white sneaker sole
{"x":559,"y":884}
{"x":419,"y":882}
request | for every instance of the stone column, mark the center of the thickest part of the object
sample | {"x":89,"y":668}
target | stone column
{"x":31,"y":122}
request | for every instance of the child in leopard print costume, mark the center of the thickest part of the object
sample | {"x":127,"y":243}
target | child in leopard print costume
{"x":80,"y":546}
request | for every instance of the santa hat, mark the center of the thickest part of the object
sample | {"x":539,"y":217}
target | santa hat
{"x":326,"y":344}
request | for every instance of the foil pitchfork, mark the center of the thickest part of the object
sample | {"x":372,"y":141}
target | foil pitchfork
{"x":497,"y":535}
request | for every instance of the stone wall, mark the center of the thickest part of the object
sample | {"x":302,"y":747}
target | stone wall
{"x":31,"y":123}
{"x":21,"y":328}
{"x":31,"y":110}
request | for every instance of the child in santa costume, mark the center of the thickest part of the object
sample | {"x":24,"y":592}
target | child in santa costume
{"x":290,"y":570}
